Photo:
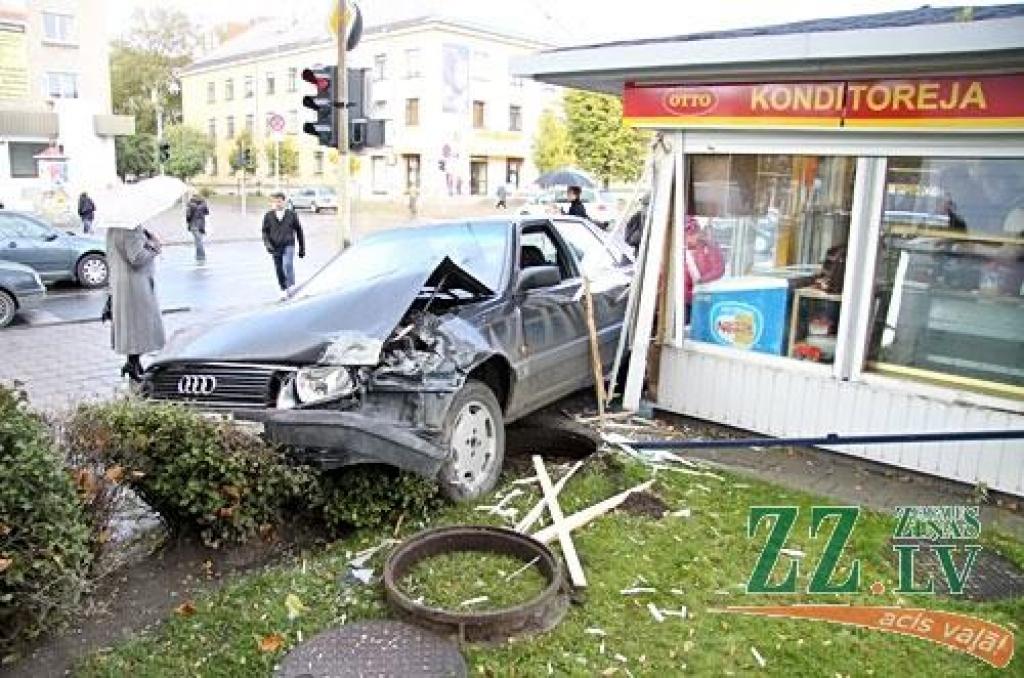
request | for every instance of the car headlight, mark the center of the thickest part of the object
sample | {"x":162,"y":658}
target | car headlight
{"x":313,"y":384}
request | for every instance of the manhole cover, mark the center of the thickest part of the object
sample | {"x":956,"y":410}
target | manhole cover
{"x":374,"y":649}
{"x":993,"y":577}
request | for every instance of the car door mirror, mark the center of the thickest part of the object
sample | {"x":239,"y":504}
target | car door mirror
{"x":536,"y":277}
{"x":50,"y":236}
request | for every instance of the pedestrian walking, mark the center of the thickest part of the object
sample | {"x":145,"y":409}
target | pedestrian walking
{"x":576,"y":208}
{"x":86,"y":211}
{"x":414,"y":197}
{"x":195,"y":221}
{"x":137,"y":327}
{"x":502,"y":197}
{"x":281,"y":230}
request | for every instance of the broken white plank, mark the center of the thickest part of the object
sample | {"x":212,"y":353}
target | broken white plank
{"x":757,"y":656}
{"x":682,"y":613}
{"x":681,"y":513}
{"x":516,"y":492}
{"x":688,"y":471}
{"x":525,"y":481}
{"x":474,"y":601}
{"x":363,"y":556}
{"x":537,"y":511}
{"x":522,"y":569}
{"x":581,"y":518}
{"x":637,"y":590}
{"x":655,"y":612}
{"x":572,"y":560}
{"x":595,"y":631}
{"x":792,"y":553}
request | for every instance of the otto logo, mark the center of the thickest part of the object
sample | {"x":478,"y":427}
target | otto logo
{"x":690,"y":101}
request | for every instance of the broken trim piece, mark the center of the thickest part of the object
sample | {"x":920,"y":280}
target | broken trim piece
{"x":540,"y":614}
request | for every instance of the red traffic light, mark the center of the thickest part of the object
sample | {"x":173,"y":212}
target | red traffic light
{"x":321,"y":78}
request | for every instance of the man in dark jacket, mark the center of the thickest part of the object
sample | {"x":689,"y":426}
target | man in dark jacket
{"x":281,"y":228}
{"x":576,"y":208}
{"x":195,"y":221}
{"x":86,"y":211}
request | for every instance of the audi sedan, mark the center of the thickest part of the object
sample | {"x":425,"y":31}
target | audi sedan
{"x":414,"y":347}
{"x":54,"y":254}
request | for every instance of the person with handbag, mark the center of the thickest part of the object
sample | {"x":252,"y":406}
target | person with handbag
{"x":137,"y":326}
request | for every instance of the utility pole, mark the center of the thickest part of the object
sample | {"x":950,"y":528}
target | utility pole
{"x":344,"y":201}
{"x":158,"y":109}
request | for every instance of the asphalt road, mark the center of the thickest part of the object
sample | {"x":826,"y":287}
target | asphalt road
{"x":235,"y":275}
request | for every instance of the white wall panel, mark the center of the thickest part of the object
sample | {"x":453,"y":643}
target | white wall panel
{"x":773,"y":398}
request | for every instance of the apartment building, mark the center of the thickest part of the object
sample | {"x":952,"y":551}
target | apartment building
{"x":456,"y":122}
{"x":56,"y":127}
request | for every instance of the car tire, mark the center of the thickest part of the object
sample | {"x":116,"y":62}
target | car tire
{"x":92,"y":271}
{"x":8,"y":308}
{"x":474,"y":436}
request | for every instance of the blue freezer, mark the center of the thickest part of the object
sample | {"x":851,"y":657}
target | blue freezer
{"x":745,"y":313}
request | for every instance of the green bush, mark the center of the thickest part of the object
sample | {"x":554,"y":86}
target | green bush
{"x":370,"y":496}
{"x":197,"y":474}
{"x":44,"y":535}
{"x":206,"y":191}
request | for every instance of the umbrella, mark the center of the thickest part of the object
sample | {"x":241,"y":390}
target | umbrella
{"x":566,"y":176}
{"x":129,"y":205}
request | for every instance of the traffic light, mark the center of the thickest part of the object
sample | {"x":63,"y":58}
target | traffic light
{"x":324,"y":102}
{"x":164,"y":151}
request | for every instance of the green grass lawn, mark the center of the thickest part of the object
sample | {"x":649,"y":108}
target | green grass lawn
{"x":701,"y":562}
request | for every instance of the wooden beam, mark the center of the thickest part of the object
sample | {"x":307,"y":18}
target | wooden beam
{"x":535,"y":513}
{"x":581,"y":518}
{"x":572,"y":560}
{"x":595,"y":352}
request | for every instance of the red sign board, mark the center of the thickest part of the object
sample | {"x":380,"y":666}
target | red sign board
{"x":993,"y":102}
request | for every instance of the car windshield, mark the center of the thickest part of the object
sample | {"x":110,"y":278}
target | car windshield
{"x":478,"y":248}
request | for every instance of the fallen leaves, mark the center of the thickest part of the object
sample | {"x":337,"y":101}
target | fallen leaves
{"x":186,"y":609}
{"x":271,"y":642}
{"x":114,"y":474}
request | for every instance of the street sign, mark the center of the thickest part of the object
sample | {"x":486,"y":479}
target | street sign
{"x":353,"y":24}
{"x":275,"y":122}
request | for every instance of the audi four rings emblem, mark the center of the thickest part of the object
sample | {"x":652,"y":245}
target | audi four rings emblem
{"x":197,"y":384}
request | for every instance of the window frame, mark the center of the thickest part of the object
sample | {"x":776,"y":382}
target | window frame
{"x":63,"y":79}
{"x":515,"y":118}
{"x":412,"y":112}
{"x":63,"y":19}
{"x":249,"y":87}
{"x":413,"y":66}
{"x":380,"y":67}
{"x":270,"y":83}
{"x":211,"y":91}
{"x":293,"y":80}
{"x":229,"y":89}
{"x":481,"y":122}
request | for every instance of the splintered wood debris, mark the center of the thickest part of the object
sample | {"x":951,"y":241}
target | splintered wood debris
{"x":581,"y":518}
{"x":538,"y":510}
{"x":636,"y":590}
{"x":655,"y":612}
{"x":474,"y":601}
{"x":362,"y":557}
{"x":560,"y":529}
{"x":757,"y":657}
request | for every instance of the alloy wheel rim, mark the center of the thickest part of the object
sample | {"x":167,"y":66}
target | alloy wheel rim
{"x":474,"y":444}
{"x":94,"y":271}
{"x":7,"y":309}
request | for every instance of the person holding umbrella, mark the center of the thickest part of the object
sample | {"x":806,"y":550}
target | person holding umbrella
{"x":576,"y":208}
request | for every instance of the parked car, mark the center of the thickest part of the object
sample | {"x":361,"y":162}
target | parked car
{"x":54,"y":254}
{"x":314,"y":199}
{"x":20,"y":289}
{"x":413,"y":347}
{"x":602,"y":207}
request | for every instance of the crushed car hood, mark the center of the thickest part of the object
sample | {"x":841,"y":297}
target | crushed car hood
{"x":299,"y":331}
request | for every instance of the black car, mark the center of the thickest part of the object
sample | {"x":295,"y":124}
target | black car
{"x":414,"y":346}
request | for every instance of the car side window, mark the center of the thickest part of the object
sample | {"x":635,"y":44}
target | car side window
{"x":19,"y":227}
{"x":590,"y":250}
{"x":539,"y":248}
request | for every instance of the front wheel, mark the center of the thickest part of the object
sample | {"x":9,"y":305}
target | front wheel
{"x":92,"y":271}
{"x":474,"y":436}
{"x":8,"y":307}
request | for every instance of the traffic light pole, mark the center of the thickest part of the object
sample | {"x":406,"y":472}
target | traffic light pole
{"x":344,"y":199}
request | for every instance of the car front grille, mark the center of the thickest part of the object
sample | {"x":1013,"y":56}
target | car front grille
{"x":215,"y":385}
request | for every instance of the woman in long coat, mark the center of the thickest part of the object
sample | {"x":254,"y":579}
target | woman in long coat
{"x":137,"y":325}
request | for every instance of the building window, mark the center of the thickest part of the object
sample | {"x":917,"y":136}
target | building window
{"x":58,"y":28}
{"x":318,"y":163}
{"x":481,"y":66}
{"x":293,"y":122}
{"x":211,"y":128}
{"x":515,"y":118}
{"x":211,"y":92}
{"x":22,"y":156}
{"x":229,"y":89}
{"x":293,"y":79}
{"x":478,"y":115}
{"x":250,"y":86}
{"x":61,"y":85}
{"x":513,"y":171}
{"x":380,"y":66}
{"x":949,"y":279}
{"x":412,"y":170}
{"x":478,"y":176}
{"x":271,"y":83}
{"x":250,"y":124}
{"x":380,"y":108}
{"x":230,"y":128}
{"x":761,"y":261}
{"x":412,"y":112}
{"x":413,"y":67}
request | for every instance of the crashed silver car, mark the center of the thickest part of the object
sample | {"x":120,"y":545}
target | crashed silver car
{"x":414,"y":347}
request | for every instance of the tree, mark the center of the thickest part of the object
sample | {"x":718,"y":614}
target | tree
{"x":243,"y":142}
{"x":601,"y":142}
{"x":289,"y":163}
{"x":188,"y":152}
{"x":551,"y":147}
{"x":136,"y":155}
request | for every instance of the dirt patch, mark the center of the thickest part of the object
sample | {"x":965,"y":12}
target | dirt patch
{"x":644,"y":505}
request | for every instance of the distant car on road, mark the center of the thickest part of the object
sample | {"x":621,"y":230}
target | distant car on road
{"x":314,"y":199}
{"x":20,"y":289}
{"x":54,"y":254}
{"x":602,"y":208}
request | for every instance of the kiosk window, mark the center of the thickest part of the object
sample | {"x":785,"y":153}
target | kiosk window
{"x":766,"y":250}
{"x":948,"y":304}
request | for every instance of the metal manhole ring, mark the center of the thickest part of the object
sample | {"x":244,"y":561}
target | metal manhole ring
{"x":541,"y":613}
